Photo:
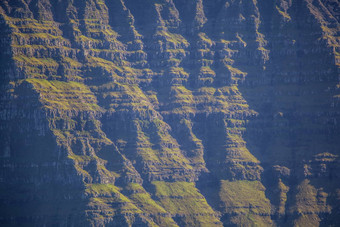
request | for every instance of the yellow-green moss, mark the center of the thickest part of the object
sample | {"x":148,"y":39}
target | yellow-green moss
{"x":308,"y":199}
{"x":65,"y":95}
{"x":205,"y":38}
{"x":172,"y":37}
{"x":143,"y":200}
{"x":206,"y":70}
{"x":104,"y":190}
{"x":283,"y":13}
{"x":244,"y":196}
{"x":81,"y":158}
{"x":48,"y":62}
{"x":235,"y":71}
{"x":183,"y":198}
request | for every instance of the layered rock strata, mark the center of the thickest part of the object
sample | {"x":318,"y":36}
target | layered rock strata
{"x":169,"y":113}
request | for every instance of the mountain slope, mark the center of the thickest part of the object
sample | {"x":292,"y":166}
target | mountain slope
{"x":169,"y":113}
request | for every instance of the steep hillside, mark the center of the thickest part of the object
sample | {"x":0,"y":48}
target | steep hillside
{"x":170,"y":113}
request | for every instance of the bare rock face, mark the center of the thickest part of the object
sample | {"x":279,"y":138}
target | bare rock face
{"x":169,"y":113}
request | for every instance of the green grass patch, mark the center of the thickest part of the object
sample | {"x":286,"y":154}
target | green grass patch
{"x":183,"y":198}
{"x":65,"y":95}
{"x":244,"y":196}
{"x":205,"y":38}
{"x":32,"y":61}
{"x":173,"y":38}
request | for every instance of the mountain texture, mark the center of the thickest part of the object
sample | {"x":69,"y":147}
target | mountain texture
{"x":169,"y":113}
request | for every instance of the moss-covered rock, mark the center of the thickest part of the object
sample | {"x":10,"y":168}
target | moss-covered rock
{"x":169,"y":113}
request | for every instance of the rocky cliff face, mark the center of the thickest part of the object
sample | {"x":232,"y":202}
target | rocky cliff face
{"x":170,"y":112}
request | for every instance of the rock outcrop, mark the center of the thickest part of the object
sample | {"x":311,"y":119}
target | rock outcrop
{"x":169,"y":113}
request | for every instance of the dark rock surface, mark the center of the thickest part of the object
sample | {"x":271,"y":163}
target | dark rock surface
{"x":169,"y":113}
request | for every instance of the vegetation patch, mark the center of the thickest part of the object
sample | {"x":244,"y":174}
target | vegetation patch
{"x":65,"y":95}
{"x":244,"y":196}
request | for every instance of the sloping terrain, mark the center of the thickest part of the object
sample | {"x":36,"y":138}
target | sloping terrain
{"x":170,"y":113}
